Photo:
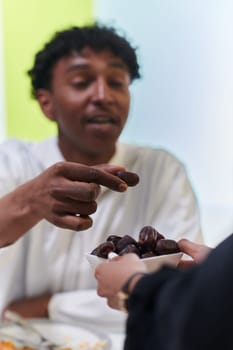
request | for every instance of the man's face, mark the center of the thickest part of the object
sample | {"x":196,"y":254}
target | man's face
{"x":90,"y":100}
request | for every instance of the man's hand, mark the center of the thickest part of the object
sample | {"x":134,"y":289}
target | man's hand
{"x":32,"y":307}
{"x":64,"y":194}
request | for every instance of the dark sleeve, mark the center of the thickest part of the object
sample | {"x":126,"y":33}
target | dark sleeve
{"x":185,"y":310}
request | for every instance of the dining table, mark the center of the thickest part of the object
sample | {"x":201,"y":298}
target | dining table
{"x":47,"y":334}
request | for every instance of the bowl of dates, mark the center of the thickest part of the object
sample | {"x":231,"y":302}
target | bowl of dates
{"x":152,"y":247}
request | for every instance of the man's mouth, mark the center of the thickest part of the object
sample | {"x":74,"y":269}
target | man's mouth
{"x":101,"y":120}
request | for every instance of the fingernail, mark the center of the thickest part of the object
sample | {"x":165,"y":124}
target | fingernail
{"x":112,"y":255}
{"x":123,"y":187}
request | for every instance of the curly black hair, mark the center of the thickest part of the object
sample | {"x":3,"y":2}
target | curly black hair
{"x":74,"y":39}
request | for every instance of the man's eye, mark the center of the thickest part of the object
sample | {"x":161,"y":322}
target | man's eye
{"x":116,"y":83}
{"x":80,"y":84}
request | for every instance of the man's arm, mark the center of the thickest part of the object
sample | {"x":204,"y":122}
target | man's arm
{"x":31,"y":307}
{"x":65,"y":195}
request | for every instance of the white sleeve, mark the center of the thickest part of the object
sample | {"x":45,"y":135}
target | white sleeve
{"x":86,"y":308}
{"x":12,"y":274}
{"x":178,"y":214}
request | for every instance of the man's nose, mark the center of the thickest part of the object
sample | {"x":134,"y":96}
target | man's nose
{"x":101,"y":91}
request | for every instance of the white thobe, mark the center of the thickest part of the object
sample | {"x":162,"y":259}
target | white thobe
{"x":51,"y":259}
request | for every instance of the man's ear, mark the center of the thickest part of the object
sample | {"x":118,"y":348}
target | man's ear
{"x":45,"y":101}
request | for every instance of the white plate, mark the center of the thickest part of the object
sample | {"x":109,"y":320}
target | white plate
{"x":152,"y":264}
{"x":68,"y":335}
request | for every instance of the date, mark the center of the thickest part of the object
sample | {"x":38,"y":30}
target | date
{"x":131,"y":179}
{"x":150,"y":243}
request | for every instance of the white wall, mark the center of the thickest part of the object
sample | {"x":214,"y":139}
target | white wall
{"x":2,"y":102}
{"x":184,"y":102}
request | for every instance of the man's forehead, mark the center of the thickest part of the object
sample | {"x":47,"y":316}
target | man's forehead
{"x":88,"y":58}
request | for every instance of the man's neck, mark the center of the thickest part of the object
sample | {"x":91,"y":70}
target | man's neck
{"x":85,"y":157}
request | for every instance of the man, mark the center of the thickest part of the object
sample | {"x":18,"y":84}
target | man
{"x":182,"y":309}
{"x":81,"y":81}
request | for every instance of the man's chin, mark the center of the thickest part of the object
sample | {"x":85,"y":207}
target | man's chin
{"x":102,"y":150}
{"x":104,"y":130}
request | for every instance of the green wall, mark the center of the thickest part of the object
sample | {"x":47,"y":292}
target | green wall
{"x":27,"y":24}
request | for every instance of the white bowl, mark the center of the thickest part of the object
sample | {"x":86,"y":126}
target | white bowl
{"x":152,"y":264}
